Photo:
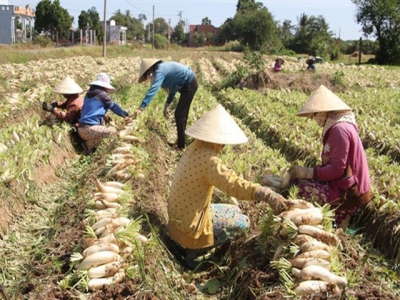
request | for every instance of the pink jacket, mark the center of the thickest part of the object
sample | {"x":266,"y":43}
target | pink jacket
{"x":342,"y":147}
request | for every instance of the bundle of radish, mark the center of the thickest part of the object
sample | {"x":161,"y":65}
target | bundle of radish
{"x":121,"y":165}
{"x":303,"y":233}
{"x":125,"y":132}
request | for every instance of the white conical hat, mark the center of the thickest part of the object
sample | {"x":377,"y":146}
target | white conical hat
{"x":322,"y":100}
{"x":146,"y":64}
{"x":217,"y":126}
{"x":103,"y":80}
{"x":68,"y":86}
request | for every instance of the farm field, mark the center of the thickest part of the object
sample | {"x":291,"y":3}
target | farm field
{"x":48,"y":188}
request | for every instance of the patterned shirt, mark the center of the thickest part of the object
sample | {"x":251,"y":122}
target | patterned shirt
{"x":198,"y":172}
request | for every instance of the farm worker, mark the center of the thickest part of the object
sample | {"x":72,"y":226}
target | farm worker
{"x":194,"y":223}
{"x":311,"y":64}
{"x":343,"y":179}
{"x":96,"y":104}
{"x":71,"y":91}
{"x":173,"y":77}
{"x":278,"y":64}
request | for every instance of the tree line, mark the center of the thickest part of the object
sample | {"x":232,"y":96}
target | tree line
{"x":253,"y":26}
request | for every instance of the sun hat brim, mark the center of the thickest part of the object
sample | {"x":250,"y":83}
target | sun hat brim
{"x":145,"y":65}
{"x":322,"y":100}
{"x":103,"y":84}
{"x":68,"y":86}
{"x":217,"y":126}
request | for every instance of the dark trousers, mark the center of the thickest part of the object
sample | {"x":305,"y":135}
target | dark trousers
{"x":182,"y":109}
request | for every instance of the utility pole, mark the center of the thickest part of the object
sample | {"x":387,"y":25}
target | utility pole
{"x":180,"y":18}
{"x":105,"y":29}
{"x":168,"y":35}
{"x":152,"y":43}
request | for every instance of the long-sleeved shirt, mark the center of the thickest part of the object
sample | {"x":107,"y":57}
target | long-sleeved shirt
{"x":171,"y":76}
{"x":198,"y":172}
{"x":73,"y":106}
{"x":95,"y":106}
{"x":342,"y":147}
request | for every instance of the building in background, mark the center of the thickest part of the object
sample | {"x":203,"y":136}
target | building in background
{"x":16,"y":23}
{"x":116,"y":34}
{"x":208,"y":33}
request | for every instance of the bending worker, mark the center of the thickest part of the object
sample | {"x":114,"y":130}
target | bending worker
{"x":173,"y":77}
{"x":194,"y":223}
{"x":343,"y":179}
{"x":71,"y":91}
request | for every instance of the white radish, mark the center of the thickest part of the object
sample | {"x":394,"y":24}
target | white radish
{"x":142,"y":238}
{"x":108,"y":239}
{"x":110,"y":197}
{"x":121,"y":221}
{"x":300,"y":262}
{"x":106,"y":213}
{"x":314,"y":245}
{"x":319,"y":234}
{"x":130,"y":138}
{"x":311,"y":286}
{"x":125,"y":132}
{"x":322,"y":254}
{"x":99,"y":231}
{"x":296,"y":212}
{"x":100,"y":204}
{"x":298,"y":203}
{"x":300,"y":239}
{"x":98,"y":258}
{"x":100,"y":247}
{"x":320,"y":273}
{"x":127,"y":250}
{"x":107,"y":189}
{"x":116,"y":184}
{"x":101,"y":223}
{"x":106,"y":270}
{"x":318,"y":262}
{"x":296,"y":272}
{"x":99,"y":283}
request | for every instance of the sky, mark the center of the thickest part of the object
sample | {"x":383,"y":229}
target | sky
{"x":339,"y":14}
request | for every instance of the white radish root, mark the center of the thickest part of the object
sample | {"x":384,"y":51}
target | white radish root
{"x":97,"y":258}
{"x":320,"y":273}
{"x":99,"y":283}
{"x":100,"y":247}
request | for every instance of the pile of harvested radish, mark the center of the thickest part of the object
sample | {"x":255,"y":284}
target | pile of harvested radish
{"x":307,"y":249}
{"x":112,"y":237}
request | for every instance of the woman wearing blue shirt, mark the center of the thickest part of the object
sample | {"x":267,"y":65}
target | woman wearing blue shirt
{"x":173,"y":77}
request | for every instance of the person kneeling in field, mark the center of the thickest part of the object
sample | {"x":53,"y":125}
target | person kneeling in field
{"x":71,"y":91}
{"x":194,"y":223}
{"x":96,"y":104}
{"x":343,"y":179}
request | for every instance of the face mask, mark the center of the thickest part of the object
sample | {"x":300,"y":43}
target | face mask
{"x":320,"y":118}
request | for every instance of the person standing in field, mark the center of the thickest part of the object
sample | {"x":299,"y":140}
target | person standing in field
{"x":343,"y":179}
{"x":173,"y":77}
{"x":70,"y":109}
{"x":194,"y":223}
{"x":96,"y":104}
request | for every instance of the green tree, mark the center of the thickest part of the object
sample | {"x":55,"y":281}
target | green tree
{"x":178,"y":35}
{"x":199,"y":39}
{"x":52,"y":20}
{"x":253,"y":25}
{"x":135,"y":27}
{"x":381,"y":19}
{"x":91,"y":18}
{"x":161,"y":27}
{"x":206,"y":21}
{"x":160,"y":41}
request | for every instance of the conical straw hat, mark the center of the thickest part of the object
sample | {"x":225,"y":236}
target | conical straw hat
{"x":146,"y":64}
{"x":322,"y":100}
{"x":217,"y":126}
{"x":68,"y":86}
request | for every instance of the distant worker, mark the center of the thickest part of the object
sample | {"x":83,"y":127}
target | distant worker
{"x":311,"y":64}
{"x":279,"y":64}
{"x":70,"y":109}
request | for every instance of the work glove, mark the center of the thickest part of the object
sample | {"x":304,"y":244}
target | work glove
{"x":166,"y":110}
{"x":47,"y":107}
{"x":297,"y":171}
{"x":54,"y":104}
{"x":275,"y":200}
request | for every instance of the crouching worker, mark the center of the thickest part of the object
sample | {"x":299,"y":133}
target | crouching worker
{"x":70,"y":109}
{"x":96,"y":104}
{"x":194,"y":223}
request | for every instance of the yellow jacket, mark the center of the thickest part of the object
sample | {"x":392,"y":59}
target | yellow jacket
{"x":198,"y":171}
